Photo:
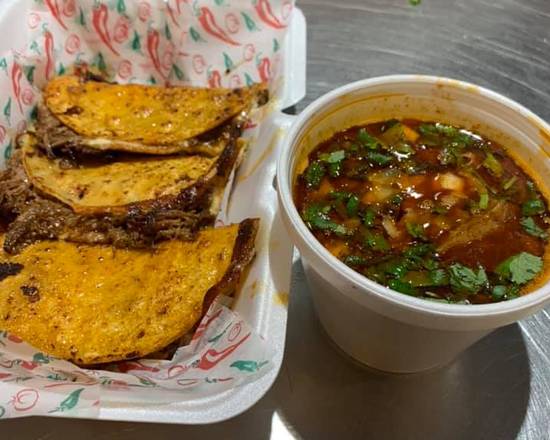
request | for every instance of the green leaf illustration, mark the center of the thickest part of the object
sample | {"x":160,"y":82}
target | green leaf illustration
{"x":250,"y":24}
{"x":276,"y":45}
{"x":34,"y":113}
{"x":229,"y":65}
{"x":152,"y":80}
{"x":249,"y":366}
{"x":178,"y":72}
{"x":61,"y":69}
{"x":2,"y":411}
{"x":41,"y":358}
{"x":34,"y":47}
{"x":29,"y":73}
{"x":7,"y":111}
{"x":81,"y":18}
{"x":4,"y":65}
{"x":121,"y":7}
{"x":248,"y":79}
{"x":167,"y":32}
{"x":195,"y":34}
{"x":8,"y":151}
{"x":70,"y":402}
{"x":99,"y":62}
{"x":146,"y":382}
{"x":136,"y":42}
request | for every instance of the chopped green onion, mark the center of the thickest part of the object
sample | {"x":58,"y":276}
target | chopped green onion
{"x":484,"y":201}
{"x":509,"y":183}
{"x":492,"y":164}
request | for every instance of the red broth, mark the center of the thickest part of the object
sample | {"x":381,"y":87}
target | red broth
{"x":427,"y":209}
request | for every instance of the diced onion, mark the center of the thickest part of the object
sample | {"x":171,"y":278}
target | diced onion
{"x":452,"y":182}
{"x":391,"y":229}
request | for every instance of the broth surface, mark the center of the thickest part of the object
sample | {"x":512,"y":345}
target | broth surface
{"x":427,"y":209}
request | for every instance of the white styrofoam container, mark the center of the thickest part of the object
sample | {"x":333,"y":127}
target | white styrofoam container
{"x":266,"y":311}
{"x":382,"y":328}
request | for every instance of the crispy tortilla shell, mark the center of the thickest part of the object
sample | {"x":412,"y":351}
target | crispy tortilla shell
{"x":139,"y":118}
{"x":110,"y":186}
{"x":95,"y":304}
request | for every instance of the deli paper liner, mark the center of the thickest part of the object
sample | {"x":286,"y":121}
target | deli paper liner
{"x":227,"y":43}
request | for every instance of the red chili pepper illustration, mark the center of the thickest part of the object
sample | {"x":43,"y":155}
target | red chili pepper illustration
{"x":25,"y":399}
{"x":29,"y":365}
{"x":263,"y":9}
{"x":131,"y":366}
{"x":16,"y":74}
{"x":11,"y":337}
{"x":171,"y":14}
{"x":264,"y":69}
{"x":153,"y":40}
{"x":213,"y":357}
{"x":48,"y":48}
{"x":4,"y":375}
{"x":100,"y":16}
{"x":53,"y":6}
{"x":203,"y":325}
{"x":214,"y":79}
{"x":208,"y":23}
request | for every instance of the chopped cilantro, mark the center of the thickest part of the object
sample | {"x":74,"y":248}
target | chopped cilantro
{"x":376,"y":241}
{"x":532,"y":228}
{"x":352,"y":206}
{"x":402,"y":287}
{"x":498,"y":292}
{"x":335,"y":169}
{"x":396,"y":267}
{"x":379,"y":158}
{"x":354,"y":260}
{"x":334,"y":157}
{"x":367,"y":140}
{"x":415,"y":230}
{"x":533,"y":207}
{"x":439,"y":277}
{"x":465,"y":280}
{"x":314,"y":174}
{"x":520,"y":268}
{"x":317,"y":218}
{"x":368,"y":217}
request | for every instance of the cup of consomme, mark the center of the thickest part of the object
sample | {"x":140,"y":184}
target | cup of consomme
{"x":419,"y":206}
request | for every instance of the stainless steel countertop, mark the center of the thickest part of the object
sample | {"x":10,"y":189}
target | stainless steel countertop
{"x":499,"y":388}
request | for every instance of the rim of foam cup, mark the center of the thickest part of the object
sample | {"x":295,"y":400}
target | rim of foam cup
{"x":528,"y":301}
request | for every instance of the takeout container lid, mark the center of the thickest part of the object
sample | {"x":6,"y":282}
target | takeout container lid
{"x":332,"y":283}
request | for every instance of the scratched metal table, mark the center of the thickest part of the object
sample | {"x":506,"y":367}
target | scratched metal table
{"x":499,"y":388}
